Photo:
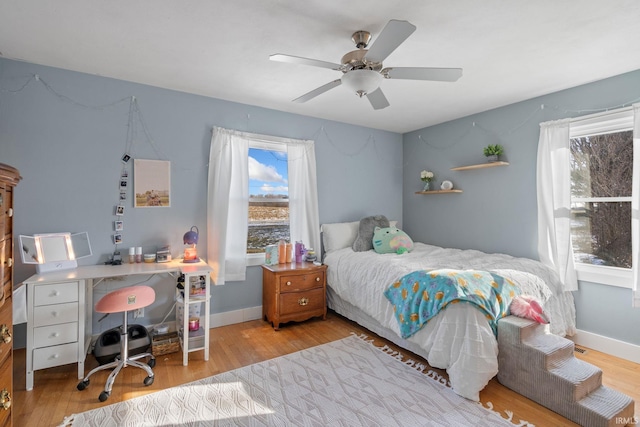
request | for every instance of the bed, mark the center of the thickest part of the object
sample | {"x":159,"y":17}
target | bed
{"x":459,"y":338}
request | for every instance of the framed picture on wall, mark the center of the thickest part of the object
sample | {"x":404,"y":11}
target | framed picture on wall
{"x":152,"y":183}
{"x":118,"y":225}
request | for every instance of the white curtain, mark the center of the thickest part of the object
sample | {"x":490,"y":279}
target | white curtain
{"x":635,"y":208}
{"x":554,"y":201}
{"x":304,"y":221}
{"x":228,"y":199}
{"x":228,"y":205}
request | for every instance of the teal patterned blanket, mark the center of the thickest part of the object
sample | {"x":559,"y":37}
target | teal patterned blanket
{"x":420,"y":295}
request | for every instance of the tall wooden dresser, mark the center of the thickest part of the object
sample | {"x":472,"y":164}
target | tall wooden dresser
{"x":9,"y":177}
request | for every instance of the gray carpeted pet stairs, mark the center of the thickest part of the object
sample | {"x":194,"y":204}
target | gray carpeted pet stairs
{"x":542,"y":367}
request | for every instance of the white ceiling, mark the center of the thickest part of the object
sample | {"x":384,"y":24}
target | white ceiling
{"x":510,"y":50}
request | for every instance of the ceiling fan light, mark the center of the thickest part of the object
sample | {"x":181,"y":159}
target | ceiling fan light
{"x":362,"y":82}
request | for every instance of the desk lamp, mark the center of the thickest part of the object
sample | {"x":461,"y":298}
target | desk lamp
{"x":191,"y":238}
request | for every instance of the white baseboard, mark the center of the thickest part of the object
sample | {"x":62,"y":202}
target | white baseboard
{"x":614,"y":347}
{"x":235,"y":316}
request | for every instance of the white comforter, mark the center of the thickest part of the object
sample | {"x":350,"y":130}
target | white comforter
{"x":459,"y":339}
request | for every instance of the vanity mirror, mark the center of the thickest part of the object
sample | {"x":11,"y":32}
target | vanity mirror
{"x":54,"y":251}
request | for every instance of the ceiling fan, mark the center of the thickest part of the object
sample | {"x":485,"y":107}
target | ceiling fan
{"x":362,"y":68}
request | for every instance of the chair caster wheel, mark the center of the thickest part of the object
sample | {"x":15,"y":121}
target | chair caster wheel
{"x":152,"y":363}
{"x":148,"y":381}
{"x":83,"y":384}
{"x":103,"y":396}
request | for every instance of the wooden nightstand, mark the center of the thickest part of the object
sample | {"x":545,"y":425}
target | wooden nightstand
{"x":293,"y":291}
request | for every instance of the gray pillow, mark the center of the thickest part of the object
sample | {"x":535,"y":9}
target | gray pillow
{"x":364,"y":238}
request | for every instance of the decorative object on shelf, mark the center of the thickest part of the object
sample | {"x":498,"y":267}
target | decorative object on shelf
{"x":446,"y":185}
{"x":426,"y":176}
{"x":493,"y":152}
{"x":191,"y":238}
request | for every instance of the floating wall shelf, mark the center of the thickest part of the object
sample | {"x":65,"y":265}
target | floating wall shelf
{"x":480,"y":166}
{"x":438,"y":191}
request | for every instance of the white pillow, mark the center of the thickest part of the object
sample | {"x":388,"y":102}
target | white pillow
{"x":341,"y":235}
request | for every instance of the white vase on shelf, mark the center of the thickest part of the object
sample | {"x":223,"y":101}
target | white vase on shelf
{"x":427,"y":186}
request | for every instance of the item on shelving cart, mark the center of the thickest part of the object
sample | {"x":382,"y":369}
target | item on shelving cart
{"x":194,"y":323}
{"x":191,"y":238}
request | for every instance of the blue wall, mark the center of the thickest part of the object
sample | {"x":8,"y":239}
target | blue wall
{"x":497,"y":212}
{"x":69,"y":157}
{"x":68,"y":154}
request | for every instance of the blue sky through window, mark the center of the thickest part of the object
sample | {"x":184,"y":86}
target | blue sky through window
{"x":268,"y":172}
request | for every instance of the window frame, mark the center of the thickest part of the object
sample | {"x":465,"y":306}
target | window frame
{"x":254,"y":259}
{"x":619,"y":120}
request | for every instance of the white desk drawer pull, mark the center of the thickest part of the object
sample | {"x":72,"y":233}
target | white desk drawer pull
{"x":54,"y":313}
{"x":55,"y":356}
{"x":288,"y":283}
{"x":317,"y":279}
{"x":55,"y":293}
{"x":54,"y":335}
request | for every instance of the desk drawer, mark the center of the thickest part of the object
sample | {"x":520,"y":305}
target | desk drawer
{"x":55,"y":356}
{"x":56,"y":293}
{"x":46,"y":336}
{"x":47,"y":315}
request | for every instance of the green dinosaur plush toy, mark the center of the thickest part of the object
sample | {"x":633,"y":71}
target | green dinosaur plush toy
{"x":390,"y":240}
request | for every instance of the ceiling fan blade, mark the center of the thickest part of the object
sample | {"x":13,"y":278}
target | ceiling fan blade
{"x":280,"y":57}
{"x":392,"y":36}
{"x":377,"y":99}
{"x":421,"y":73}
{"x":318,"y":91}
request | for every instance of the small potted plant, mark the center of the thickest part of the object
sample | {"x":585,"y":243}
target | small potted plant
{"x":426,"y":176}
{"x":493,"y":152}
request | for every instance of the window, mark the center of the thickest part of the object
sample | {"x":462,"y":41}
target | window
{"x":601,"y":184}
{"x":268,"y":197}
{"x":291,"y":166}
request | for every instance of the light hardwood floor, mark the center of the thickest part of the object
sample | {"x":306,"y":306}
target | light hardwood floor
{"x":55,"y":396}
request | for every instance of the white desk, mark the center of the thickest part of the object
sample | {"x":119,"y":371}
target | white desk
{"x":60,"y":307}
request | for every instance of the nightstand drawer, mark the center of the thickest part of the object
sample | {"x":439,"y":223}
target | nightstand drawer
{"x":56,"y":293}
{"x":46,"y":336}
{"x":55,"y":314}
{"x":298,"y":302}
{"x":299,"y":282}
{"x":55,"y":356}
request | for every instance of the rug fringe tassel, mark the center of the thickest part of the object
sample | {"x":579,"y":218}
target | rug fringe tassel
{"x":67,"y":421}
{"x":509,"y":415}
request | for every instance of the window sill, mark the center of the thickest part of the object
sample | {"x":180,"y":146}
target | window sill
{"x":611,"y":276}
{"x":255,"y":259}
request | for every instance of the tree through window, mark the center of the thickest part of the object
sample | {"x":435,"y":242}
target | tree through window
{"x":601,"y":178}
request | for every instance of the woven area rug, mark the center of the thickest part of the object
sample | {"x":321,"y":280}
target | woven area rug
{"x":349,"y":382}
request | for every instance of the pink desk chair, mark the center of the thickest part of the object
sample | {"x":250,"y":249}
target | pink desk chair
{"x":122,"y":301}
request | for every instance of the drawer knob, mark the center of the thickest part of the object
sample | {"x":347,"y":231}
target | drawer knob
{"x":9,"y":262}
{"x":5,"y":399}
{"x":55,"y":335}
{"x":5,"y":334}
{"x":288,"y":283}
{"x":10,"y":212}
{"x":317,"y":279}
{"x":55,"y":293}
{"x":303,"y":301}
{"x":54,"y":313}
